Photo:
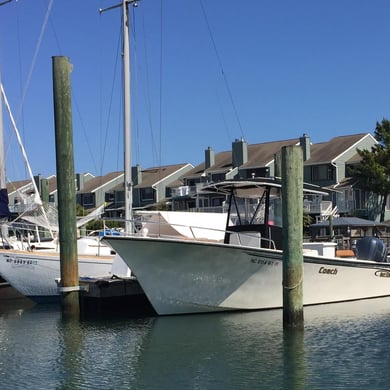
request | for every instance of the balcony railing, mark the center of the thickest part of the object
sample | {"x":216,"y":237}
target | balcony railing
{"x":320,"y":207}
{"x":186,"y":191}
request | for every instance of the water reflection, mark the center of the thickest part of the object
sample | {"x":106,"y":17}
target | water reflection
{"x":294,"y":359}
{"x":346,"y":345}
{"x":342,"y":346}
{"x":221,"y":351}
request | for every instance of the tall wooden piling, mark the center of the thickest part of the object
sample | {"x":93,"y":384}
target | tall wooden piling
{"x":66,"y":185}
{"x":292,"y":198}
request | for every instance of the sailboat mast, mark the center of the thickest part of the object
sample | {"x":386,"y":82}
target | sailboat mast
{"x":126,"y":110}
{"x":2,"y":149}
{"x":4,"y":210}
{"x":127,"y":118}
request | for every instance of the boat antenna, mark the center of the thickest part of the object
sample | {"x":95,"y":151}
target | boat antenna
{"x":127,"y":112}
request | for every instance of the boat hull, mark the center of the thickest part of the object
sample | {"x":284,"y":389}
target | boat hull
{"x":36,"y":275}
{"x":192,"y":277}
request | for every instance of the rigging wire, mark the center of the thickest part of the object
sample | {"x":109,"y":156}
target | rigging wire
{"x":108,"y":120}
{"x":148,"y":103}
{"x":33,"y":62}
{"x":222,"y":69}
{"x":37,"y":48}
{"x":134,"y":76}
{"x":20,"y":72}
{"x":161,"y":78}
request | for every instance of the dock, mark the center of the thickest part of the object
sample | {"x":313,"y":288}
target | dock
{"x":118,"y":296}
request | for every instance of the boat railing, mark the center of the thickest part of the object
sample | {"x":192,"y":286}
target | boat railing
{"x":23,"y":235}
{"x":163,"y":229}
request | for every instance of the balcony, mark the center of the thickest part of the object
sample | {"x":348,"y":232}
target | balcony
{"x":180,"y":192}
{"x":186,"y":191}
{"x":317,"y":207}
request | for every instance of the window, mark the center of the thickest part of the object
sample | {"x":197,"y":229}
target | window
{"x":360,"y":199}
{"x":216,"y":177}
{"x":147,"y":194}
{"x":322,"y":172}
{"x":109,"y":197}
{"x":88,"y":200}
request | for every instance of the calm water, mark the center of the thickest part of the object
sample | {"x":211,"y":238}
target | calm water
{"x":343,"y":346}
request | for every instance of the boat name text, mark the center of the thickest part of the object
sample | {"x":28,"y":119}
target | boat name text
{"x":21,"y":261}
{"x":264,"y":261}
{"x":328,"y":271}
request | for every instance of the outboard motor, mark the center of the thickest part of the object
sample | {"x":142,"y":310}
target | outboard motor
{"x":371,"y":248}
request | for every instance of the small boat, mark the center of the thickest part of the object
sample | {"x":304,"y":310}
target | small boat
{"x":36,"y":275}
{"x":244,"y":270}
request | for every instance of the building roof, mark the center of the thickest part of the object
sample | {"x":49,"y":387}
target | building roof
{"x":328,"y":151}
{"x":347,"y":182}
{"x":94,"y":184}
{"x":152,"y":176}
{"x":261,"y":155}
{"x":17,"y":185}
{"x":52,"y":184}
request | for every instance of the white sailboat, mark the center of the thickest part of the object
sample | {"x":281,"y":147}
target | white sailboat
{"x":36,"y":273}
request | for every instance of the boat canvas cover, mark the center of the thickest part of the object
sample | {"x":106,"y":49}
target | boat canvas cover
{"x":251,"y":188}
{"x":4,"y":210}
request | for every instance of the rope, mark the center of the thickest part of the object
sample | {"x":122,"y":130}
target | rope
{"x":295,"y":286}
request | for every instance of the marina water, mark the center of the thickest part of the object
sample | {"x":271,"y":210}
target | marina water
{"x":343,"y":346}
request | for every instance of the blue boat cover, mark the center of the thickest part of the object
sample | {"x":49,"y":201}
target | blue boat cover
{"x":4,"y":210}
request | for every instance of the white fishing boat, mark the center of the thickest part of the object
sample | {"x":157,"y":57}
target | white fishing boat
{"x":244,"y":270}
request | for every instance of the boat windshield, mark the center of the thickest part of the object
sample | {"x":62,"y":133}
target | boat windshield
{"x":275,"y":211}
{"x":266,"y":209}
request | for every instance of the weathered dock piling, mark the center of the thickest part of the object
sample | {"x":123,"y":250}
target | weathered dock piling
{"x":292,"y":197}
{"x":66,"y":186}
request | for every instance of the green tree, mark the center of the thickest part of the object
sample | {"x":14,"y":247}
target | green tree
{"x":373,"y":173}
{"x":307,"y":221}
{"x":80,"y":211}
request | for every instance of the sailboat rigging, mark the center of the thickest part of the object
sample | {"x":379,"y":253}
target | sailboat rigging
{"x":127,"y":110}
{"x":37,"y":198}
{"x":38,"y":278}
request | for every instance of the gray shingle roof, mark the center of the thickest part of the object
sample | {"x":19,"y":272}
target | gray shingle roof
{"x":153,"y":175}
{"x":327,"y":151}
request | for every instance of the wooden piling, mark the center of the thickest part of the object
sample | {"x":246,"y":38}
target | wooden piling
{"x":277,"y":164}
{"x":292,"y":198}
{"x":66,"y":186}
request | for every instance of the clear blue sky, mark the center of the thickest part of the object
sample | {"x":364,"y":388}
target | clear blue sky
{"x":269,"y":70}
